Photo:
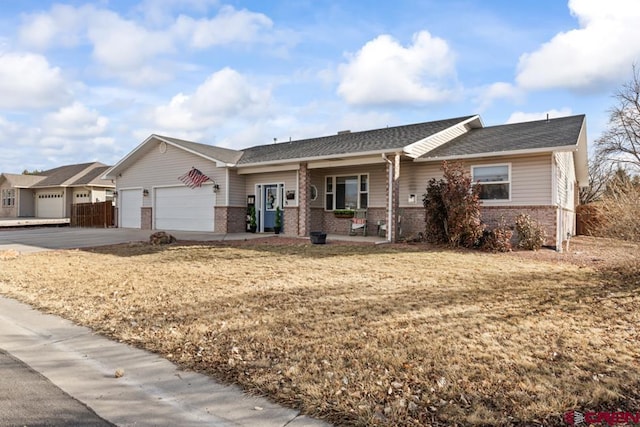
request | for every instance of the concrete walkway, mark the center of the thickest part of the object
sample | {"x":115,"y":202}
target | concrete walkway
{"x":152,"y":391}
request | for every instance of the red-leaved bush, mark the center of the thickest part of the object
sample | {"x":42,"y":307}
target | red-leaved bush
{"x":452,"y":208}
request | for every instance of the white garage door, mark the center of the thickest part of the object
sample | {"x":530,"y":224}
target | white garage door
{"x":184,"y":208}
{"x":50,"y":205}
{"x":129,"y":205}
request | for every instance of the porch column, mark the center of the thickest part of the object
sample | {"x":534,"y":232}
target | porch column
{"x":395,"y":198}
{"x":304,"y":209}
{"x":393,"y":193}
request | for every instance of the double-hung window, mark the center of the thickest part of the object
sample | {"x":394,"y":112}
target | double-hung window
{"x":8,"y":198}
{"x":495,"y":181}
{"x":347,"y":192}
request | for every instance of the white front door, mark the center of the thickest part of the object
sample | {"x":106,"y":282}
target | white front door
{"x":129,"y":206}
{"x":50,"y":204}
{"x":184,"y":208}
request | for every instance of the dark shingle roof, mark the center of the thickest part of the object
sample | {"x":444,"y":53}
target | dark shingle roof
{"x":225,"y":155}
{"x":539,"y":134}
{"x":17,"y":180}
{"x":92,"y":177}
{"x":60,"y":175}
{"x":348,"y":143}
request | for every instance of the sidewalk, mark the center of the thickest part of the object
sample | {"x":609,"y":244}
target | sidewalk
{"x":152,"y":392}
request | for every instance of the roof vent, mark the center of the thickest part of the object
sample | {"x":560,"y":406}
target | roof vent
{"x":342,"y":132}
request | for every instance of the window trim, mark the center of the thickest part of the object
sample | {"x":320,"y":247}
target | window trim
{"x":332,"y":193}
{"x":508,"y":181}
{"x":8,"y":196}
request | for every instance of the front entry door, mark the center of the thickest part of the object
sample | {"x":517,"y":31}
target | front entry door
{"x":270,"y":201}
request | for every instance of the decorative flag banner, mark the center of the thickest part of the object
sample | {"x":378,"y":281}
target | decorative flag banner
{"x":194,"y":178}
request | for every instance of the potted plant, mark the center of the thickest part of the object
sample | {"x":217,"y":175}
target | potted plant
{"x":253,"y":225}
{"x":278,"y":225}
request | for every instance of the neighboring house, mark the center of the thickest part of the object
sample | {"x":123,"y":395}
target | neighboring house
{"x":534,"y":167}
{"x":51,"y":193}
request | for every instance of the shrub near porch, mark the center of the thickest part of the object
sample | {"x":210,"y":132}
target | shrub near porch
{"x":368,"y":335}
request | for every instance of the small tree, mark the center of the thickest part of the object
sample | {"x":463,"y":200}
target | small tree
{"x":620,"y":143}
{"x":452,"y":208}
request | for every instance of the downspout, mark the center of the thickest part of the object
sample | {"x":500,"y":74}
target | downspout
{"x":390,"y":196}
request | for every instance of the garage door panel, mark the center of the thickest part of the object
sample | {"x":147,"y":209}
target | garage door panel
{"x":183,"y":208}
{"x":130,"y":204}
{"x":49,"y":205}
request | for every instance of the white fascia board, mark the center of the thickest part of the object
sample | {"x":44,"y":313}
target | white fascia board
{"x":266,"y":169}
{"x":499,"y":153}
{"x":423,"y":146}
{"x":580,"y":158}
{"x":318,"y":158}
{"x":346,"y":162}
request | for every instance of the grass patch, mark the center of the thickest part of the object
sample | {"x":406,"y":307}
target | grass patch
{"x":367,"y":335}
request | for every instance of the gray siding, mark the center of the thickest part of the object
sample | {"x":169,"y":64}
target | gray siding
{"x":565,"y":179}
{"x":237,"y":189}
{"x":155,"y":169}
{"x":530,"y":179}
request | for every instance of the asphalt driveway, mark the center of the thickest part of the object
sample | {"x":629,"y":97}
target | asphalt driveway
{"x":27,"y":240}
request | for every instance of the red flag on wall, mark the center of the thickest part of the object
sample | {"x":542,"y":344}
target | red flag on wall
{"x":194,"y":178}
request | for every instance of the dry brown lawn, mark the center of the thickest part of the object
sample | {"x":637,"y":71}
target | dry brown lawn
{"x":368,"y":335}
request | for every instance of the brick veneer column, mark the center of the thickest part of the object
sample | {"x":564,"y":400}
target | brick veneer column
{"x":304,"y":209}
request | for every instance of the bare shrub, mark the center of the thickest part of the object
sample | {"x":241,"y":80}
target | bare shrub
{"x":618,"y":212}
{"x":531,"y":235}
{"x":498,"y":239}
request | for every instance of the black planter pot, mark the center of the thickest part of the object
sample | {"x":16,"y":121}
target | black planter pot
{"x":277,"y":230}
{"x":253,"y":228}
{"x":318,"y":237}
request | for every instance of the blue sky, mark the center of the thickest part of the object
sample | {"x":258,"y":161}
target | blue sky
{"x":83,"y":81}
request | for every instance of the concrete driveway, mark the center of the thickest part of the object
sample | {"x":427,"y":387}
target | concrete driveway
{"x":27,"y":240}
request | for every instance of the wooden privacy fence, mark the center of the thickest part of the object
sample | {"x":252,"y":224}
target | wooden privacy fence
{"x":92,"y":215}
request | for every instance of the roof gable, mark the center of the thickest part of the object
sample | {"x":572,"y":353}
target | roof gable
{"x":221,"y":156}
{"x":65,"y":175}
{"x":22,"y":181}
{"x":93,"y":178}
{"x":541,"y":135}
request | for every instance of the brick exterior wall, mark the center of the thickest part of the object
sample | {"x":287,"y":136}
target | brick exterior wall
{"x":290,"y":221}
{"x":230,"y":219}
{"x":413,"y":218}
{"x":146,"y":218}
{"x":327,"y":222}
{"x":303,"y":220}
{"x":317,"y":219}
{"x":546,"y":216}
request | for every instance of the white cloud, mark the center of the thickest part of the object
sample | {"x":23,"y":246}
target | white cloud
{"x":61,"y":26}
{"x":28,"y":81}
{"x":225,"y":95}
{"x":229,"y":26}
{"x":127,"y":49}
{"x":75,"y":121}
{"x":520,"y":116}
{"x":600,"y":51}
{"x":384,"y":71}
{"x":499,"y":90}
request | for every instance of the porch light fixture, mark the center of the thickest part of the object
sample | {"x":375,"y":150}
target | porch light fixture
{"x":145,"y":192}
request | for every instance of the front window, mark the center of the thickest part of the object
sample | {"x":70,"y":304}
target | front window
{"x":347,"y":192}
{"x":495,"y":181}
{"x":8,"y":198}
